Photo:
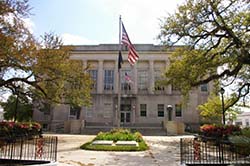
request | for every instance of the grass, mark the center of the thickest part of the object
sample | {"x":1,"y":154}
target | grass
{"x":117,"y":135}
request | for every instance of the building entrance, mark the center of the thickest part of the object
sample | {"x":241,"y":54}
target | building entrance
{"x":125,"y":113}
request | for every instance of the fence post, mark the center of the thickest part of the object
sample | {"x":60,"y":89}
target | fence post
{"x":197,"y":149}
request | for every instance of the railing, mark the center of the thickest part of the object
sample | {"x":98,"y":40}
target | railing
{"x":195,"y":151}
{"x":23,"y":149}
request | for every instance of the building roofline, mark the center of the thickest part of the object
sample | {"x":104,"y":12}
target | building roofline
{"x":115,"y":47}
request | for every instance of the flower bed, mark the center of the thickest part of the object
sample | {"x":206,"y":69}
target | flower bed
{"x":116,"y":136}
{"x":14,"y":130}
{"x":219,"y":131}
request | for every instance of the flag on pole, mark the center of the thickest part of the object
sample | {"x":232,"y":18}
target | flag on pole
{"x":132,"y":54}
{"x":128,"y":78}
{"x":120,"y":60}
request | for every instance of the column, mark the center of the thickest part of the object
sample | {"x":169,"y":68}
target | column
{"x":100,"y":80}
{"x":116,"y":77}
{"x":151,"y":77}
{"x":134,"y":71}
{"x":168,"y":88}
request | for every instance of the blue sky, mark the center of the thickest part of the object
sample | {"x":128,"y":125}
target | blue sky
{"x":97,"y":21}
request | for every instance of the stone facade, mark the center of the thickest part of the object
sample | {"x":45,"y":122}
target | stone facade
{"x":144,"y":104}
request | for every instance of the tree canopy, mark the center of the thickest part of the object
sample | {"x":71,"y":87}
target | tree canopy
{"x":41,"y":67}
{"x":17,"y":108}
{"x":216,"y":35}
{"x":211,"y":110}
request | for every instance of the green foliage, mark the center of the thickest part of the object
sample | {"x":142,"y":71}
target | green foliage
{"x":241,"y":144}
{"x":119,"y":135}
{"x":211,"y":111}
{"x":43,"y":66}
{"x":22,"y":108}
{"x":246,"y":132}
{"x":216,"y":36}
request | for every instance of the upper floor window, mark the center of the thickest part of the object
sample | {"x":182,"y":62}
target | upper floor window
{"x":126,"y":80}
{"x":108,"y":79}
{"x":93,"y":75}
{"x":178,"y":110}
{"x":142,"y":79}
{"x":158,"y":78}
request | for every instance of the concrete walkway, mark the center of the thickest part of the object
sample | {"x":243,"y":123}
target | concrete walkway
{"x":164,"y":150}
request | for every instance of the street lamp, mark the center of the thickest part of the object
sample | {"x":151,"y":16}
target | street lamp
{"x":222,"y":91}
{"x":169,"y":109}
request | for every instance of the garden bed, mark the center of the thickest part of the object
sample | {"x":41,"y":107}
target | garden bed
{"x":117,"y":140}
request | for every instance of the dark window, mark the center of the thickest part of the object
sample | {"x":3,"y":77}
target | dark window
{"x":143,"y":110}
{"x":204,"y":87}
{"x":160,"y":108}
{"x":178,"y":110}
{"x":75,"y":111}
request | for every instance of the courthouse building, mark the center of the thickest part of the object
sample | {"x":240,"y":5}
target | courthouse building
{"x":143,"y":102}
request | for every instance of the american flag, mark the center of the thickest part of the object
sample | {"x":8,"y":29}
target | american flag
{"x":128,"y":78}
{"x":132,"y":54}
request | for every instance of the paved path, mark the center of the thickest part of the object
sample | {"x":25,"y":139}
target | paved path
{"x":164,"y":150}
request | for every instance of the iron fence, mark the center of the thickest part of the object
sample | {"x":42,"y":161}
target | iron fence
{"x":196,"y":151}
{"x":23,"y":149}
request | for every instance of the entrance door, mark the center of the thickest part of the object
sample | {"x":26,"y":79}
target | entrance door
{"x":125,"y":117}
{"x":125,"y":113}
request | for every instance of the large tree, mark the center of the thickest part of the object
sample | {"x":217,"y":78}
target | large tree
{"x":42,"y":68}
{"x":216,"y":34}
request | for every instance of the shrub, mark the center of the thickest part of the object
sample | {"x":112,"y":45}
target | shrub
{"x":246,"y":132}
{"x":241,"y":144}
{"x":19,"y":129}
{"x":119,"y":135}
{"x":219,"y":130}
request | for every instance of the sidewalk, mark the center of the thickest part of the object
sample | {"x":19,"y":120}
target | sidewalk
{"x":164,"y":150}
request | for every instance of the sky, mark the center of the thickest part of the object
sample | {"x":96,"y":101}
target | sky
{"x":85,"y":22}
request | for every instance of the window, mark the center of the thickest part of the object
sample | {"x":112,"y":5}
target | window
{"x":160,"y":108}
{"x":247,"y":122}
{"x":142,"y":80}
{"x":93,"y":75}
{"x":178,"y":110}
{"x":238,"y":123}
{"x":158,"y":78}
{"x":143,"y":110}
{"x":204,"y":87}
{"x":126,"y":80}
{"x":75,"y":112}
{"x":108,"y":80}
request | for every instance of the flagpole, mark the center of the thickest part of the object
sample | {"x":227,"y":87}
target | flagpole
{"x":119,"y":80}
